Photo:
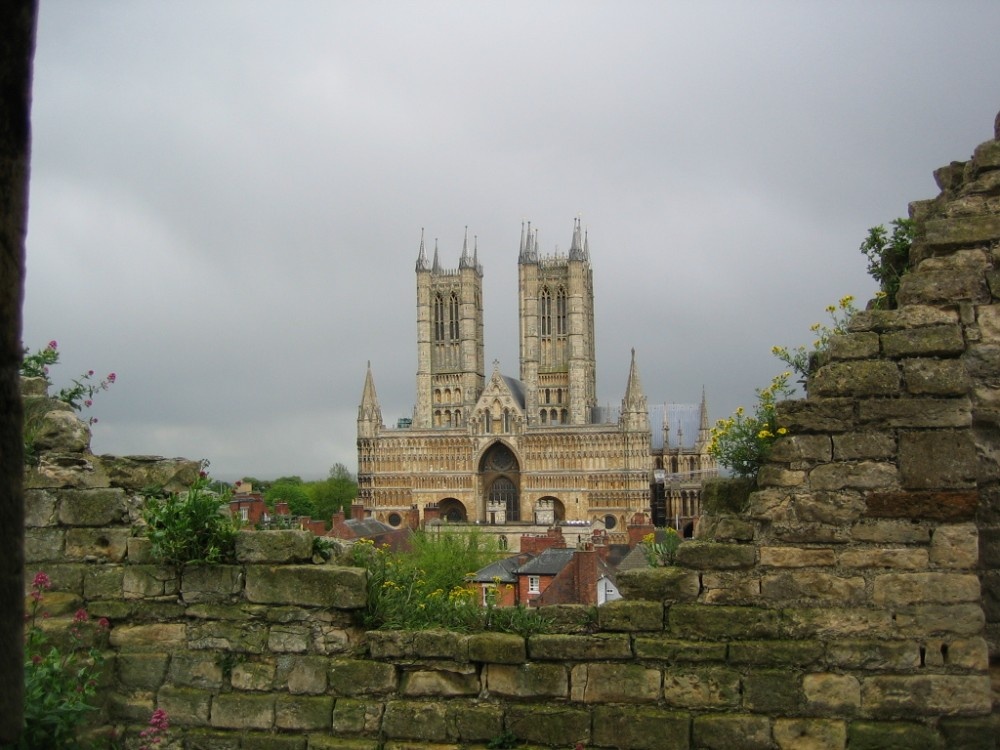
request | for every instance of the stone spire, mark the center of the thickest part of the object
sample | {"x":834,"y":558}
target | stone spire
{"x":422,"y":256}
{"x":529,"y":246}
{"x":576,"y":251}
{"x":666,"y":426}
{"x":465,"y":261}
{"x":436,"y":268}
{"x":635,"y":412}
{"x":703,"y":431}
{"x":369,"y":412}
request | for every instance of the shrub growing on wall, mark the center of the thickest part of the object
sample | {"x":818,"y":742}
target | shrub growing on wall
{"x":191,"y":527}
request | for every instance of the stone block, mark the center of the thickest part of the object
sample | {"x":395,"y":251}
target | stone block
{"x":900,"y":589}
{"x":143,"y":581}
{"x":303,"y":712}
{"x":252,"y":676}
{"x":103,"y":582}
{"x":948,"y":506}
{"x":478,"y":722}
{"x":307,"y":585}
{"x":610,"y":646}
{"x":324,"y":742}
{"x":289,"y":639}
{"x":826,"y":415}
{"x":356,"y":716}
{"x":946,"y":620}
{"x":855,"y":446}
{"x":774,"y":653}
{"x":832,"y":693}
{"x":708,"y":687}
{"x":862,"y":378}
{"x":243,"y":711}
{"x":988,"y":318}
{"x":934,"y":341}
{"x":268,"y":741}
{"x":716,"y":556}
{"x":549,"y":725}
{"x":417,"y":720}
{"x":725,"y":529}
{"x":241,"y":637}
{"x":136,"y":473}
{"x":641,"y":728}
{"x":864,"y":475}
{"x":725,"y":495}
{"x":674,"y":651}
{"x":499,"y":648}
{"x":894,"y":696}
{"x":981,"y":733}
{"x":196,"y":670}
{"x":163,"y":637}
{"x":139,"y":551}
{"x":43,"y":545}
{"x":813,"y":586}
{"x":900,"y":558}
{"x":796,"y":557}
{"x":276,"y":546}
{"x":212,"y":583}
{"x":185,"y":706}
{"x":876,"y":655}
{"x":937,"y":460}
{"x":669,"y":584}
{"x":440,"y":683}
{"x":890,"y":531}
{"x":961,"y":230}
{"x":916,"y":412}
{"x":955,"y":546}
{"x":732,"y":732}
{"x":935,"y":377}
{"x":771,"y":475}
{"x":772,"y":692}
{"x":303,"y":675}
{"x":92,"y":507}
{"x":623,"y":615}
{"x":911,"y":316}
{"x":141,"y":671}
{"x":796,"y":448}
{"x":723,"y":622}
{"x":527,"y":681}
{"x":861,"y":345}
{"x":614,"y":683}
{"x":348,"y":677}
{"x":39,"y":508}
{"x":419,"y":644}
{"x":810,"y":734}
{"x":828,"y":623}
{"x":868,"y":735}
{"x":96,"y":545}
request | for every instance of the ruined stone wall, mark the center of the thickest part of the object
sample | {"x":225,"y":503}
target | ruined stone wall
{"x":850,"y":603}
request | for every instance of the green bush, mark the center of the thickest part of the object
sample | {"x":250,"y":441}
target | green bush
{"x":191,"y":527}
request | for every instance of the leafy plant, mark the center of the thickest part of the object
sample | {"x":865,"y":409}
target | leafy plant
{"x":503,"y":741}
{"x":191,"y":527}
{"x":802,"y":360}
{"x":58,"y":681}
{"x":662,"y":551}
{"x":81,"y":394}
{"x":888,"y":256}
{"x":742,"y":443}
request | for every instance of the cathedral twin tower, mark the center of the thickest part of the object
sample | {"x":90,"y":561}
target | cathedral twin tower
{"x":533,"y":450}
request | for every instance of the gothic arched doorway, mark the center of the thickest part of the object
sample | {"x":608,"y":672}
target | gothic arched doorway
{"x":500,"y":480}
{"x":452,"y":510}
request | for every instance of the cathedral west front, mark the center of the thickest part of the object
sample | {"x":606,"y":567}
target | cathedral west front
{"x":514,"y":455}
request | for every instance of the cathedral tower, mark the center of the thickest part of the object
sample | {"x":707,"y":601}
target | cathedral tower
{"x":556,"y":306}
{"x":450,"y":363}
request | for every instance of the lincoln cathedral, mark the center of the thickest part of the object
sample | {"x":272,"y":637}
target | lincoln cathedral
{"x":518,"y":455}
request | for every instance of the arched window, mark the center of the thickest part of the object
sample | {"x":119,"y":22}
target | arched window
{"x":561,"y":311}
{"x":545,"y":312}
{"x":506,"y":420}
{"x":554,"y":416}
{"x":543,"y":416}
{"x":548,"y":396}
{"x":453,"y":316}
{"x":438,"y":318}
{"x":504,"y":491}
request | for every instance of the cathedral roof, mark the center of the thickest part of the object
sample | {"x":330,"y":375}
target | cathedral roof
{"x":516,"y":389}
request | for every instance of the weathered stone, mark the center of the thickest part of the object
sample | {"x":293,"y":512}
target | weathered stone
{"x":676,"y":651}
{"x":256,"y":676}
{"x":725,"y":529}
{"x":498,"y":648}
{"x":865,"y":475}
{"x":614,"y":683}
{"x":476,"y":722}
{"x":157,"y":637}
{"x":39,"y":508}
{"x":98,"y":545}
{"x":419,"y":720}
{"x":792,"y":653}
{"x":926,"y":620}
{"x":527,"y":680}
{"x":937,"y":459}
{"x":549,"y":725}
{"x":895,"y":589}
{"x":304,"y":675}
{"x":732,"y":732}
{"x":890,"y":531}
{"x":242,"y":637}
{"x":795,"y":557}
{"x":834,"y":622}
{"x":916,"y":412}
{"x":421,"y":644}
{"x":63,"y":470}
{"x":794,"y":448}
{"x":61,"y":431}
{"x":439,"y":683}
{"x":771,"y":475}
{"x":243,"y":711}
{"x":42,"y":545}
{"x":268,"y":741}
{"x":579,"y":647}
{"x":361,"y":677}
{"x":873,"y":654}
{"x":716,"y":556}
{"x":852,"y":346}
{"x":829,"y":507}
{"x":630,"y":616}
{"x":725,"y":495}
{"x":904,"y":558}
{"x":95,"y":507}
{"x":965,"y":230}
{"x":722,"y":622}
{"x":910,"y":316}
{"x":276,"y":546}
{"x":300,"y":712}
{"x":935,"y":377}
{"x":139,"y":551}
{"x":854,"y":446}
{"x":641,"y":728}
{"x":185,"y":706}
{"x":710,"y":687}
{"x":355,"y":716}
{"x":307,"y":585}
{"x":827,"y":415}
{"x":137,"y":473}
{"x":669,"y":584}
{"x":141,"y":581}
{"x":810,"y":734}
{"x":892,"y":736}
{"x":200,"y":583}
{"x":141,"y":671}
{"x":926,"y":695}
{"x":289,"y":639}
{"x":834,"y":693}
{"x":856,"y":378}
{"x":955,"y":546}
{"x":772,"y":692}
{"x":980,"y":733}
{"x":197,"y":670}
{"x":930,"y":505}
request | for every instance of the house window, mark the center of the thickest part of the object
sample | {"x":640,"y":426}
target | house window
{"x":489,"y":593}
{"x":534,"y":585}
{"x":244,"y":514}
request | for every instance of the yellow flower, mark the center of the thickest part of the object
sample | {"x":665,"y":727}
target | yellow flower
{"x":782,"y":430}
{"x":764,"y":434}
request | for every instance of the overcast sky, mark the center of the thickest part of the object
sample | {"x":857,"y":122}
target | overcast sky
{"x":227,"y":197}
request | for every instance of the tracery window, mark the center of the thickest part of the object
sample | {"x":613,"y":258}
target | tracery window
{"x":545,"y":312}
{"x":438,"y":318}
{"x":561,"y":311}
{"x":453,"y":316}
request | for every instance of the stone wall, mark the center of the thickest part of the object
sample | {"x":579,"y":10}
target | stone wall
{"x":850,"y":603}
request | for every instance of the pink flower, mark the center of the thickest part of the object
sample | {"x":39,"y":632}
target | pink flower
{"x":41,"y":581}
{"x":112,"y":377}
{"x":159,"y":720}
{"x":103,"y":623}
{"x":90,"y":373}
{"x":81,"y":616}
{"x":45,"y":615}
{"x":53,"y":345}
{"x":36,"y":659}
{"x":88,"y":403}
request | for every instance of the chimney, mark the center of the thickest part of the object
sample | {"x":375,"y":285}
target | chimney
{"x":281,"y":509}
{"x":585,"y":575}
{"x":638,"y":527}
{"x":357,"y":512}
{"x":431,"y":513}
